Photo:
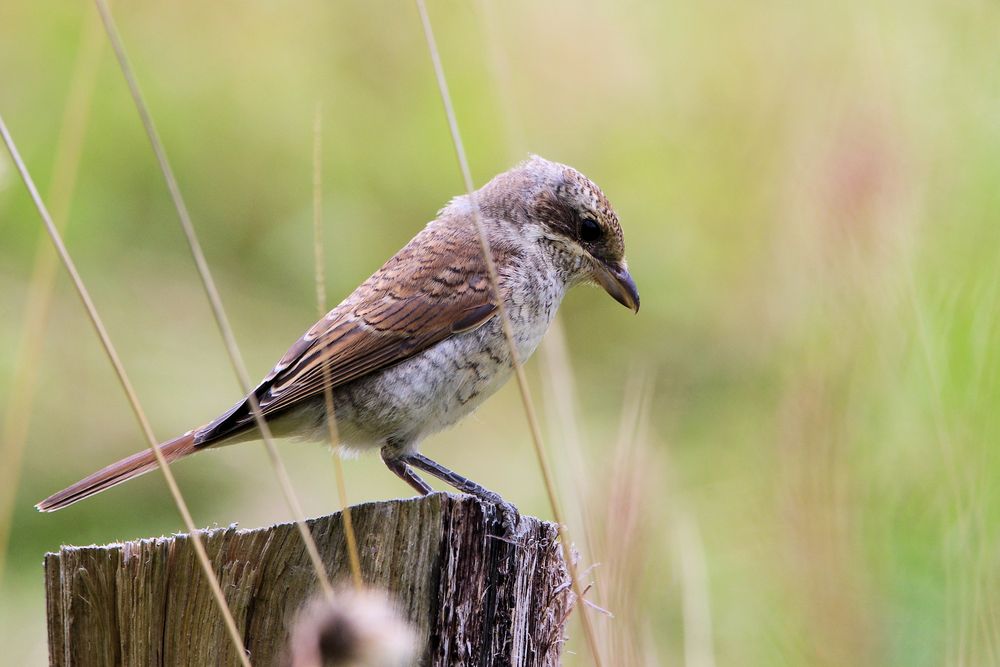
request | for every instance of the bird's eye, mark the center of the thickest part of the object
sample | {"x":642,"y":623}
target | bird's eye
{"x":590,"y":231}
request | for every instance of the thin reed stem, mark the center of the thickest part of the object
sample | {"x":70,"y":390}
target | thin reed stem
{"x":696,"y":608}
{"x":17,"y":415}
{"x":624,"y":510}
{"x":522,"y":381}
{"x":133,"y":399}
{"x":239,"y":366}
{"x":559,"y":395}
{"x":331,"y":415}
{"x":557,"y":373}
{"x":498,"y":64}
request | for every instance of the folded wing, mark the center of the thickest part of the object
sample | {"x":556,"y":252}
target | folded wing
{"x":434,"y":288}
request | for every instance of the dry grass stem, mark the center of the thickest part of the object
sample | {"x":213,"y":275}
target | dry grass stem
{"x":17,"y":415}
{"x":560,"y":390}
{"x":331,"y":416}
{"x":140,"y":415}
{"x":514,"y":131}
{"x":522,"y":381}
{"x":287,"y":488}
{"x":626,"y":520}
{"x":695,"y":603}
{"x":557,"y":371}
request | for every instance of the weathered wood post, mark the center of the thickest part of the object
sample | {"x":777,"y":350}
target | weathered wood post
{"x":473,"y":598}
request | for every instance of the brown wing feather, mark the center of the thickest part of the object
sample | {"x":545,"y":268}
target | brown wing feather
{"x":435,"y":287}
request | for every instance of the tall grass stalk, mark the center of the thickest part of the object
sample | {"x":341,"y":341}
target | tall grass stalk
{"x":331,"y":415}
{"x":175,"y":492}
{"x":221,"y":319}
{"x":38,"y":303}
{"x":522,"y":381}
{"x":574,"y":481}
{"x":624,"y":504}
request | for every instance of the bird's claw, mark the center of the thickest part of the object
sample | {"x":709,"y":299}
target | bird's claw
{"x":508,"y":515}
{"x":510,"y":518}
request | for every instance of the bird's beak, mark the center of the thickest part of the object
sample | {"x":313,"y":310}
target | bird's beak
{"x":617,"y":282}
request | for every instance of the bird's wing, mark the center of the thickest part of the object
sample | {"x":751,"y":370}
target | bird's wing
{"x":435,"y":287}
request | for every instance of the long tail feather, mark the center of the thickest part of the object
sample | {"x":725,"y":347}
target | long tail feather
{"x":116,"y":473}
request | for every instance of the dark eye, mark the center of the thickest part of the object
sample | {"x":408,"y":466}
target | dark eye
{"x":590,"y":231}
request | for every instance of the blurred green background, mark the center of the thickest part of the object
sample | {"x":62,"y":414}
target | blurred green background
{"x":807,"y":471}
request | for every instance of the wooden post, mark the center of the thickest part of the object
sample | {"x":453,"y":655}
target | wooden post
{"x":472,"y":598}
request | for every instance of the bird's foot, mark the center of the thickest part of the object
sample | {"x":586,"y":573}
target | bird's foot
{"x":506,"y":513}
{"x":510,"y":518}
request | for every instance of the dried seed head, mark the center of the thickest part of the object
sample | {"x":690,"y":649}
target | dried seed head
{"x":355,"y":629}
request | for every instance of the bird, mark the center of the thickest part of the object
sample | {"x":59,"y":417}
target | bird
{"x":419,"y":345}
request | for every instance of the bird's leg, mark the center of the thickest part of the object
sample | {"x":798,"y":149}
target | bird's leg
{"x":511,"y":517}
{"x":396,"y":464}
{"x":463,"y":484}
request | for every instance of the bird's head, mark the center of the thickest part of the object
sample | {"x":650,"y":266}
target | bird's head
{"x":577,"y":220}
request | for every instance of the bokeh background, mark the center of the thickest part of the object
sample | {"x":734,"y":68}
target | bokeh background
{"x":787,"y":458}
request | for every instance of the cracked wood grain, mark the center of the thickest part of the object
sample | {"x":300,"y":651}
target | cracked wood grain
{"x":474,"y":598}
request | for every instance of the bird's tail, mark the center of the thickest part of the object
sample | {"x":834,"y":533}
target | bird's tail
{"x":116,"y":473}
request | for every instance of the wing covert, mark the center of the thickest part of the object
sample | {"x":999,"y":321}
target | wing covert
{"x":434,"y":288}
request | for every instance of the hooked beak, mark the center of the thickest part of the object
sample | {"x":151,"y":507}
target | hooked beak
{"x":617,"y":282}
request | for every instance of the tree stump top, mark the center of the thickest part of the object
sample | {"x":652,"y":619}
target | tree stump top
{"x":471,"y":596}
